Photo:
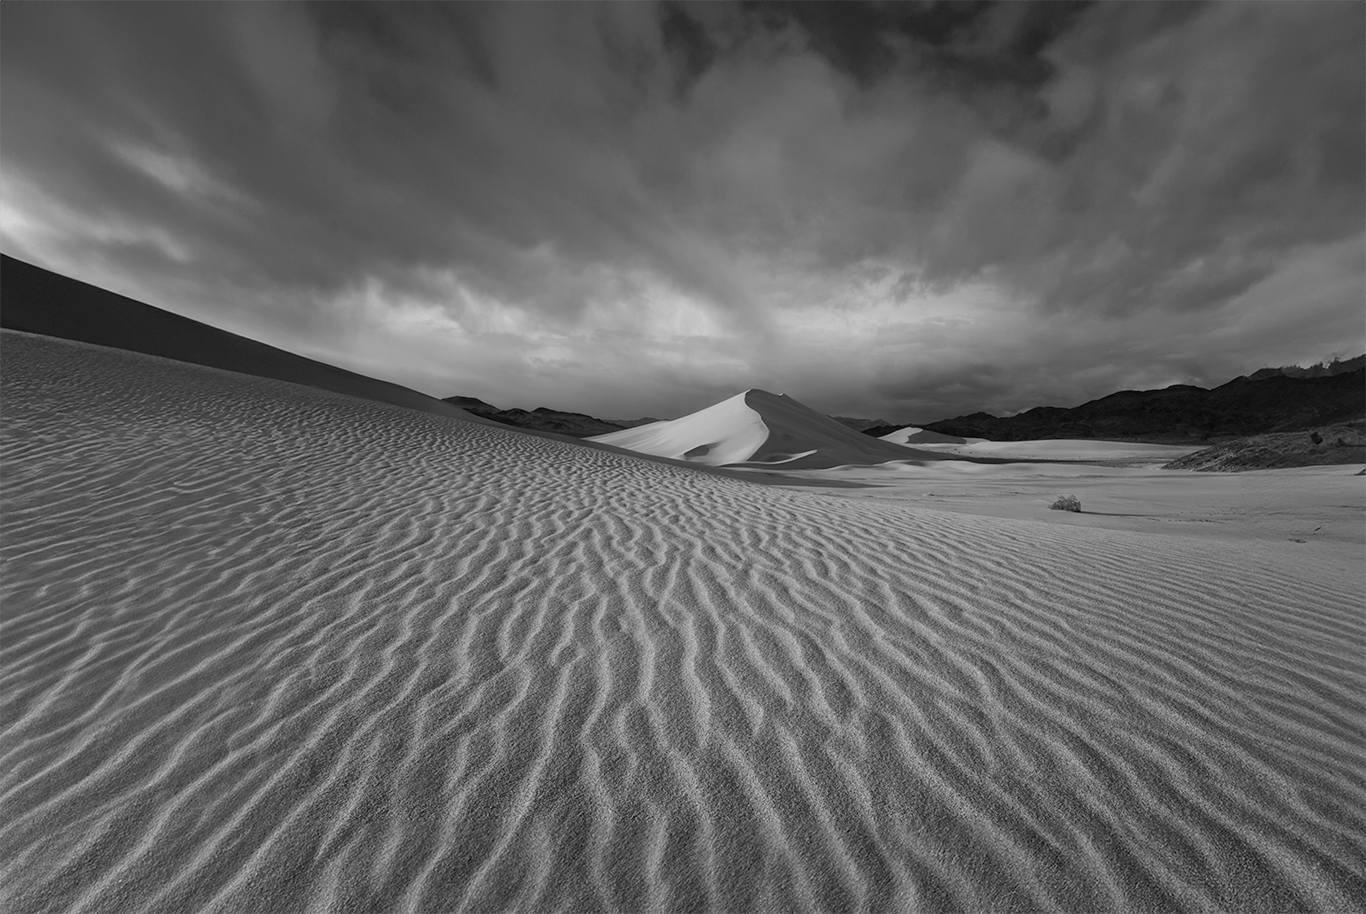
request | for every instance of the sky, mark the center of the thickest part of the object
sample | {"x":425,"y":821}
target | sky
{"x":906,"y":211}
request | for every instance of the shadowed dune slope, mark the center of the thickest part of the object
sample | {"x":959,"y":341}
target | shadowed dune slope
{"x":759,"y":428}
{"x":34,"y":300}
{"x":270,"y":648}
{"x":39,"y":301}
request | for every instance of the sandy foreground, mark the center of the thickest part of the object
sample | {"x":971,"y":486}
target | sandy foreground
{"x":268,"y":648}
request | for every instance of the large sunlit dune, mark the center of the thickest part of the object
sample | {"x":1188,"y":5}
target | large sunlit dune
{"x":757,"y":428}
{"x":268,"y":647}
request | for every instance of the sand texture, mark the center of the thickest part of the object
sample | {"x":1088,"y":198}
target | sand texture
{"x":270,"y":648}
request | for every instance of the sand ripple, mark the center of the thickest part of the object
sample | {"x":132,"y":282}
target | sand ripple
{"x":269,"y":648}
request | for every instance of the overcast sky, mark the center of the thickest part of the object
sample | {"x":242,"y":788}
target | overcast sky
{"x":907,"y":211}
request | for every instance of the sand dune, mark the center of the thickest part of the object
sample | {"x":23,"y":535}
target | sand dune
{"x":914,"y":435}
{"x":40,"y":301}
{"x":269,"y":648}
{"x":757,"y":428}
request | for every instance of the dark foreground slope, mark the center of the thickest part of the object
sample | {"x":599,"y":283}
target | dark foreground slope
{"x":39,"y":301}
{"x":1182,"y":413}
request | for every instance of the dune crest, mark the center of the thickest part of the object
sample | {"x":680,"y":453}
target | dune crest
{"x":47,"y":303}
{"x":758,"y":428}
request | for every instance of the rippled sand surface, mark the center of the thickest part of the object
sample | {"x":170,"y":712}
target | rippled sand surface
{"x":267,"y":648}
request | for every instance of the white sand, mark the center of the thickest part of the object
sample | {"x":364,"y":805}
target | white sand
{"x":1078,"y":449}
{"x":758,"y":428}
{"x":1322,"y":508}
{"x":268,"y":648}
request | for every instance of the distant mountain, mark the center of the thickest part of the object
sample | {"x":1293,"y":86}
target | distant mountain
{"x":757,"y":428}
{"x":576,"y":425}
{"x":1183,"y":413}
{"x":633,"y":423}
{"x":1321,"y":370}
{"x":859,"y":425}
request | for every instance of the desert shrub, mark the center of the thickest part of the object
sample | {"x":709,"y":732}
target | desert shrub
{"x":1316,"y":437}
{"x":1066,"y":503}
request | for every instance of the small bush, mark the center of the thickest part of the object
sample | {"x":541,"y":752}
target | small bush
{"x":1316,"y":437}
{"x":1066,"y":503}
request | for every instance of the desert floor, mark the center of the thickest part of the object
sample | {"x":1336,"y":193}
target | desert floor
{"x":1321,"y":508}
{"x":267,"y":648}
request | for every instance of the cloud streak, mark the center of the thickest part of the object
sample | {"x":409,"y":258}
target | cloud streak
{"x":899,"y":210}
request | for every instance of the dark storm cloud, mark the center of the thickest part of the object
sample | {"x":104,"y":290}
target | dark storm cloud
{"x":967,"y":42}
{"x":893,"y":207}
